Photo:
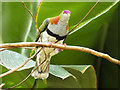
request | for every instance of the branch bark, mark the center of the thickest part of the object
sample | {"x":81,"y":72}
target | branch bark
{"x":67,"y":47}
{"x":2,"y":85}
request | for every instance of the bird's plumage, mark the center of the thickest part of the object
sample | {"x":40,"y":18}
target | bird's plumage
{"x":55,"y":20}
{"x":53,"y":29}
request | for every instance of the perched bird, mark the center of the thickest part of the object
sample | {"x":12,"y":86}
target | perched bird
{"x":52,"y":30}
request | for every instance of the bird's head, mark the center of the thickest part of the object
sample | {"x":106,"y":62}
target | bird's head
{"x":59,"y":24}
{"x":65,"y":15}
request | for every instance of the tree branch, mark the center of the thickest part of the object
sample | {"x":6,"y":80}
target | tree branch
{"x":67,"y":47}
{"x":13,"y":70}
{"x":2,"y":85}
{"x":36,"y":25}
{"x":84,"y":16}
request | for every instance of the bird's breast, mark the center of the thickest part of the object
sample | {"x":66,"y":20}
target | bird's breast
{"x":59,"y":29}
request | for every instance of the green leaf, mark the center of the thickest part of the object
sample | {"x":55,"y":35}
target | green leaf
{"x":94,"y":17}
{"x":81,"y":68}
{"x":15,"y":22}
{"x":81,"y":80}
{"x":85,"y":77}
{"x":16,"y":77}
{"x":11,"y":60}
{"x":60,"y":72}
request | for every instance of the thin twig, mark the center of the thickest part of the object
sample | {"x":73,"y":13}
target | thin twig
{"x":3,"y":49}
{"x":33,"y":19}
{"x":29,"y":12}
{"x":28,"y":47}
{"x":29,"y":74}
{"x":84,"y":16}
{"x":67,"y":47}
{"x":20,"y":47}
{"x":13,"y":70}
{"x":2,"y":85}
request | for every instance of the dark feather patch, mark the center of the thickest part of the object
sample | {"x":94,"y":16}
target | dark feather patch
{"x":56,"y":36}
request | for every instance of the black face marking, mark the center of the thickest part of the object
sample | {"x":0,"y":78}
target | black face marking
{"x":56,"y":36}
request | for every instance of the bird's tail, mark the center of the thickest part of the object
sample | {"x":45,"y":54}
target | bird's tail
{"x":42,"y":72}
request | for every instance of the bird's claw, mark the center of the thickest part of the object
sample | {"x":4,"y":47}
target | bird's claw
{"x":62,"y":49}
{"x":51,"y":43}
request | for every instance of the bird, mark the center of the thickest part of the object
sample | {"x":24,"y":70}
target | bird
{"x":53,"y":30}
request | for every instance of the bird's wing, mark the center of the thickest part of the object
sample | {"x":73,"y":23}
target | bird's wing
{"x":42,"y":28}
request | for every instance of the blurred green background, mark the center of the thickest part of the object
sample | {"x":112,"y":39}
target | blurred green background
{"x":101,"y":34}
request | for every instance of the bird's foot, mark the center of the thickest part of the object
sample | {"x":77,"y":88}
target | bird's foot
{"x":45,"y":81}
{"x":51,"y":43}
{"x":62,"y":49}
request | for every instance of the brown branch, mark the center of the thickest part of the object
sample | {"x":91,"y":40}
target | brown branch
{"x":84,"y":16}
{"x":2,"y":85}
{"x":13,"y":70}
{"x":32,"y":18}
{"x":28,"y":47}
{"x":29,"y":12}
{"x":3,"y":49}
{"x":67,"y":47}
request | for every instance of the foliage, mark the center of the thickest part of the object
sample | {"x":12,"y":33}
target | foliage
{"x":18,"y":26}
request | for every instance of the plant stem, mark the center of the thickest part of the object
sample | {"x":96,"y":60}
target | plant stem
{"x":67,"y":47}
